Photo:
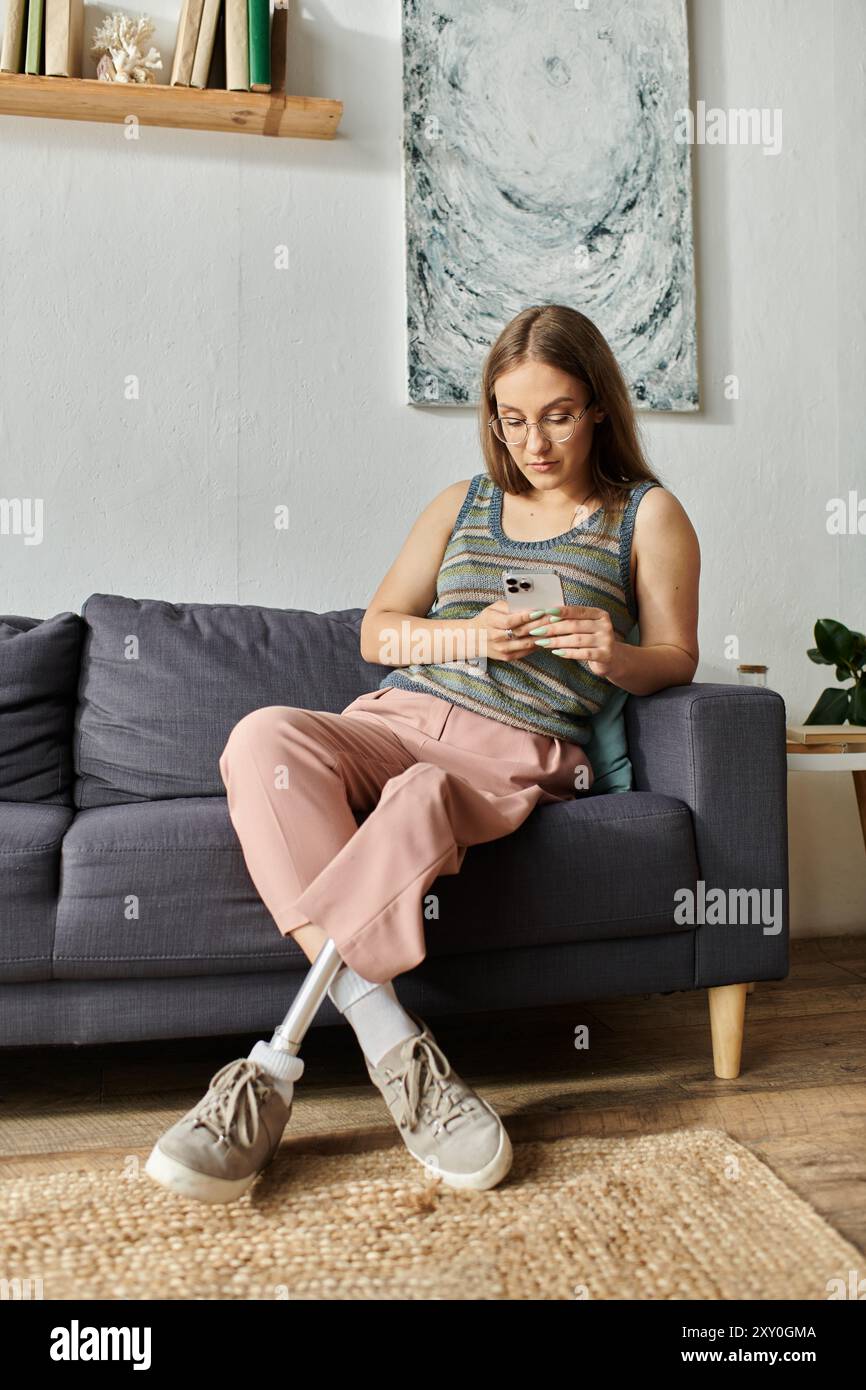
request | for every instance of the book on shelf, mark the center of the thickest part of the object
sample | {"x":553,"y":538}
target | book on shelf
{"x":14,"y":36}
{"x":187,"y":38}
{"x":258,"y":20}
{"x":279,"y":45}
{"x":830,"y":734}
{"x":205,"y":44}
{"x":64,"y":36}
{"x":237,"y":46}
{"x":33,"y":59}
{"x":217,"y":75}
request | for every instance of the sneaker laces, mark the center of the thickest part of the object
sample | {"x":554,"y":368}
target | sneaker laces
{"x":425,"y":1086}
{"x":233,"y":1098}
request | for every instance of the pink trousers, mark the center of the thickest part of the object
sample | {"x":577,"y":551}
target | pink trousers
{"x":433,"y":777}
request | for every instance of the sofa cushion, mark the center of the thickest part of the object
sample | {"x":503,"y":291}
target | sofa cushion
{"x":30,"y":841}
{"x":39,"y":664}
{"x":162,"y":889}
{"x":591,"y":869}
{"x":163,"y":684}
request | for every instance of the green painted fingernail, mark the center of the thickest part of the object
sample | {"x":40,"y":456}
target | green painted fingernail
{"x":560,"y":651}
{"x":533,"y":631}
{"x":553,"y":610}
{"x":537,"y":614}
{"x":543,"y":641}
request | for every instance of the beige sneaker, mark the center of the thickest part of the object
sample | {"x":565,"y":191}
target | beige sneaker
{"x":444,"y":1123}
{"x":218,"y":1148}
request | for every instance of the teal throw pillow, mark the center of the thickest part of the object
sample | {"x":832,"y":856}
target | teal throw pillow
{"x":607,"y":749}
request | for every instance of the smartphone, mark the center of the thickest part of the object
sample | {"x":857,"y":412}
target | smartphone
{"x":531,"y":589}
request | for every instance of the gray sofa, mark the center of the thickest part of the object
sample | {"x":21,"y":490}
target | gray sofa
{"x":127,"y":912}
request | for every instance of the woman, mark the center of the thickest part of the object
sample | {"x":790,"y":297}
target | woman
{"x":484,"y":715}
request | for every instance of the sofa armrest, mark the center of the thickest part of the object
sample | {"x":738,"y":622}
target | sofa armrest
{"x":721,"y":750}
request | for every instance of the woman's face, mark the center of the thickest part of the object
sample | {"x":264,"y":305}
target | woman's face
{"x":533,"y":390}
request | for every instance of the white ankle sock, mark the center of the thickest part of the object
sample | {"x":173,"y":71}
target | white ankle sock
{"x":283,"y":1068}
{"x":374,"y":1011}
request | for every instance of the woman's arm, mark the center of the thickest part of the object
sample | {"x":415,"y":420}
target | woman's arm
{"x":666,"y":588}
{"x":391,"y":630}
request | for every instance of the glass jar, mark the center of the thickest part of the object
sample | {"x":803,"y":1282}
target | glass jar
{"x":752,"y":675}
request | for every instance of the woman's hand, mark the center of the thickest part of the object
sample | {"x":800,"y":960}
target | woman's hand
{"x":579,"y":633}
{"x":492,"y":625}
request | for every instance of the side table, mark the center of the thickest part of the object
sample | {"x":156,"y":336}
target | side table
{"x":853,"y":762}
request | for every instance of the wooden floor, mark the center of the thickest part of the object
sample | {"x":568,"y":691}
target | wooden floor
{"x":799,"y":1102}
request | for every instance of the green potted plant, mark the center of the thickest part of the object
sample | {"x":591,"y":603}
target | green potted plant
{"x":836,"y":645}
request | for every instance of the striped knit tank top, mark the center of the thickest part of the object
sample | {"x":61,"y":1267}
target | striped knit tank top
{"x":542,"y":693}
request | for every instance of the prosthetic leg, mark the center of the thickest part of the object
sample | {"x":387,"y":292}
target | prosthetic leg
{"x":280,"y":1055}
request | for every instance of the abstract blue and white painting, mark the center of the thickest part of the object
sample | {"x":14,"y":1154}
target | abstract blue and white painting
{"x":541,"y":166}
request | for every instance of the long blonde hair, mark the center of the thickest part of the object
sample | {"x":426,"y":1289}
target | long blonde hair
{"x":564,"y":338}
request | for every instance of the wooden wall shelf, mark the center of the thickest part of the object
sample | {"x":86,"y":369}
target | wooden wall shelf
{"x":251,"y":113}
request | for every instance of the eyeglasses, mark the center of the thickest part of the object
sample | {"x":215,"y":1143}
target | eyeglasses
{"x":556,"y":427}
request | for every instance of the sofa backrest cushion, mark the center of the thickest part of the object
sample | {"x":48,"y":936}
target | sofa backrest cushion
{"x":39,"y":661}
{"x":163,"y":684}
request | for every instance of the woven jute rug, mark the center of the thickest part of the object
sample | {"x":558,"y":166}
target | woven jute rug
{"x":682,"y":1215}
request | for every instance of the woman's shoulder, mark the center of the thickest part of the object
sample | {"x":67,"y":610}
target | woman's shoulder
{"x":654,"y":498}
{"x":460,"y":491}
{"x":644,"y":486}
{"x":450,"y":501}
{"x":442,"y":511}
{"x":659,"y":511}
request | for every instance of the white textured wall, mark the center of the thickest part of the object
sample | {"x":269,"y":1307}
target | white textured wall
{"x":261,"y":386}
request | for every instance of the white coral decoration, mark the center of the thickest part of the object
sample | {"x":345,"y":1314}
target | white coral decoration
{"x":120,"y":40}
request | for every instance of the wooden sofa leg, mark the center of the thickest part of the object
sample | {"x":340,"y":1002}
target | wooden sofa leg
{"x":727,"y":1016}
